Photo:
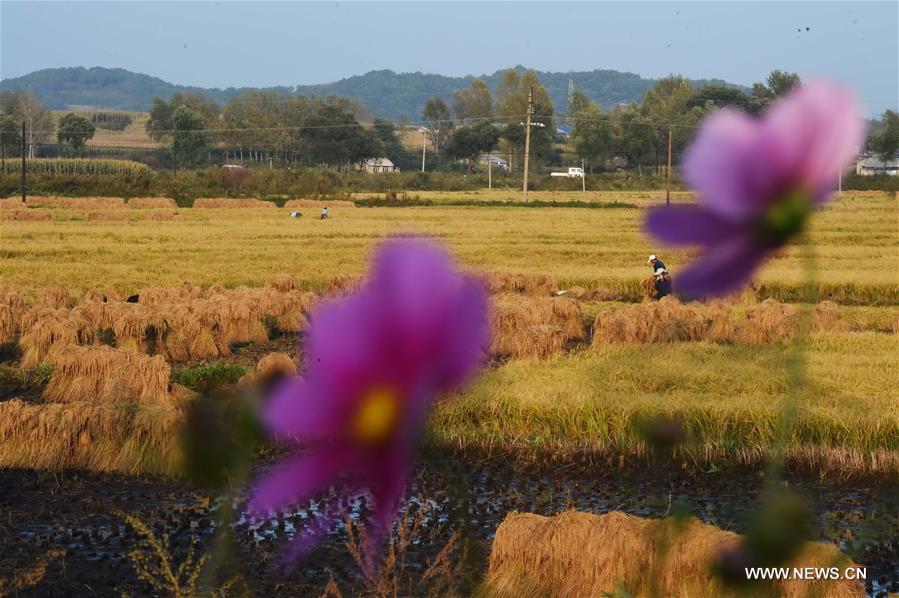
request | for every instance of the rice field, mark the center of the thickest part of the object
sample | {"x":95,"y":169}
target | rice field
{"x":568,"y":372}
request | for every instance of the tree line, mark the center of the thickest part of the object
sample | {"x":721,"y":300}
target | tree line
{"x":282,"y":129}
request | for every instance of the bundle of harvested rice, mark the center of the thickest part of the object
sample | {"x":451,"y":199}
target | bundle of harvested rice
{"x":224,"y":202}
{"x":669,"y":320}
{"x":284,"y":283}
{"x":296,"y":204}
{"x":12,"y":308}
{"x":47,"y":334}
{"x":238,"y":319}
{"x":533,"y":326}
{"x":191,"y":332}
{"x":107,"y":375}
{"x":12,"y":203}
{"x":168,"y":296}
{"x":84,"y":203}
{"x":582,"y":554}
{"x":289,"y":309}
{"x":137,"y":327}
{"x":129,"y":439}
{"x":24,"y":215}
{"x":530,"y":284}
{"x":56,"y":296}
{"x":270,"y":369}
{"x":152,"y":202}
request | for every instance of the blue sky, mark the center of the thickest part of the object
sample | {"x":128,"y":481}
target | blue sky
{"x":221,"y":44}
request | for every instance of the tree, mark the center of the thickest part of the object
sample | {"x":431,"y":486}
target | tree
{"x":666,"y":106}
{"x":885,"y":140}
{"x":592,"y":132}
{"x":468,"y":143}
{"x":160,"y":125}
{"x":25,"y":107}
{"x":385,"y":131}
{"x":512,"y":107}
{"x":10,"y":134}
{"x":74,"y":130}
{"x":437,"y":119}
{"x":710,"y":97}
{"x":332,"y":135}
{"x":473,"y":103}
{"x":190,"y":140}
{"x":778,"y":84}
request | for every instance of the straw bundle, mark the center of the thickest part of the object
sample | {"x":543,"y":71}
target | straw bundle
{"x":191,"y":332}
{"x":56,"y":296}
{"x":270,"y":369}
{"x":12,"y":308}
{"x":83,"y":203}
{"x":669,"y":320}
{"x":284,"y":283}
{"x":151,"y":202}
{"x":288,"y":309}
{"x":530,"y":284}
{"x":238,"y":320}
{"x":223,"y":202}
{"x":24,"y":215}
{"x":123,"y":438}
{"x":137,"y":327}
{"x":533,"y":326}
{"x":47,"y":334}
{"x":296,"y":204}
{"x":12,"y":203}
{"x":581,"y":554}
{"x":107,"y":375}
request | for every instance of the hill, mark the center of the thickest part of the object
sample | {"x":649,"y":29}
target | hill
{"x":389,"y":94}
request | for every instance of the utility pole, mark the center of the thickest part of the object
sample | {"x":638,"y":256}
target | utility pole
{"x":668,"y":172}
{"x":424,"y":144}
{"x":527,"y":141}
{"x":23,"y":161}
{"x":489,"y":172}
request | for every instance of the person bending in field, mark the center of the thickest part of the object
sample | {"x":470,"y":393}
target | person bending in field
{"x":324,"y":213}
{"x":655,"y":263}
{"x":662,"y":283}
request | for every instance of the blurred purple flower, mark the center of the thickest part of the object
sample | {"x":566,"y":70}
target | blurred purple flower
{"x":757,"y":181}
{"x":375,"y":362}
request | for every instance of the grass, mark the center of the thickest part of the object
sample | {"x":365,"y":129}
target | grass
{"x":590,"y":248}
{"x":726,"y":398}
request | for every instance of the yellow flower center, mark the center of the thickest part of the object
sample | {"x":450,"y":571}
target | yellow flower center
{"x":376,"y":417}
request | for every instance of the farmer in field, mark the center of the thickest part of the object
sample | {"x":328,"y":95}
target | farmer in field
{"x":324,"y":213}
{"x":655,"y":263}
{"x":662,"y":283}
{"x":296,"y":214}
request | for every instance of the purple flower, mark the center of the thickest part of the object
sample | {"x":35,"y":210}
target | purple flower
{"x":757,"y":181}
{"x":375,"y":362}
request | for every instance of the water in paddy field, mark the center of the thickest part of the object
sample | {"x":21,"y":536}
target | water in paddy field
{"x":43,"y":511}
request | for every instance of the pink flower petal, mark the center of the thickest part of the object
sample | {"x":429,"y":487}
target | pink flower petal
{"x":295,"y":480}
{"x":298,"y":410}
{"x":818,"y":129}
{"x":689,"y":225}
{"x":722,"y":163}
{"x":722,"y":270}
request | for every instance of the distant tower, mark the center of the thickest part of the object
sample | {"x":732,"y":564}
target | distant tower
{"x":570,"y":90}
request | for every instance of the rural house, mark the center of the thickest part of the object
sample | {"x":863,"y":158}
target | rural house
{"x":872,"y":165}
{"x":494,"y":160}
{"x":379,"y":165}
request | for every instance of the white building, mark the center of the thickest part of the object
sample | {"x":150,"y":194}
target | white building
{"x":379,"y":165}
{"x":494,"y":160}
{"x":872,"y":165}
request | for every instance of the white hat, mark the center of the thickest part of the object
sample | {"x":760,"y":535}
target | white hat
{"x":652,"y":257}
{"x":661,"y":271}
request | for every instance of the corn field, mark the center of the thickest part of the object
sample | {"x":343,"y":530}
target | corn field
{"x":76,"y":166}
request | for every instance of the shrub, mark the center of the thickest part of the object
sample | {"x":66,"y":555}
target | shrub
{"x":209,"y":376}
